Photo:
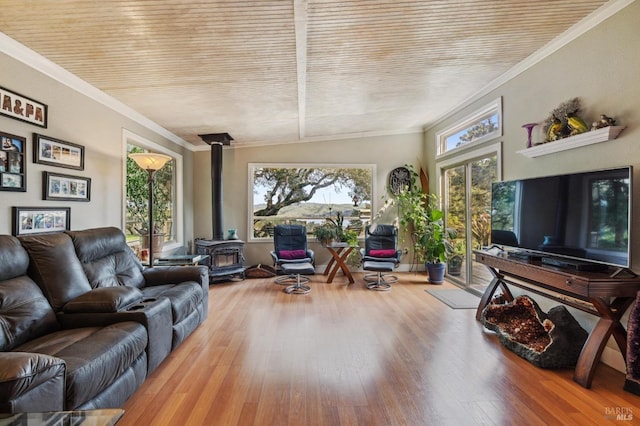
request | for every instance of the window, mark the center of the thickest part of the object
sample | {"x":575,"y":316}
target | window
{"x":167,"y":207}
{"x":308,"y":194}
{"x":481,"y":126}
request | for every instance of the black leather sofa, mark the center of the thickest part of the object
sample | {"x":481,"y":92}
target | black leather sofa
{"x":82,"y":322}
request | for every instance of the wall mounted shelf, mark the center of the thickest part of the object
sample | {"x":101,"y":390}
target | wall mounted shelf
{"x":583,"y":139}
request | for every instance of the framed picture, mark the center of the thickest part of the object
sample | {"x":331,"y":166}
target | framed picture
{"x":38,"y":220}
{"x":65,"y":187}
{"x":13,"y":176}
{"x":56,"y":152}
{"x":21,"y":108}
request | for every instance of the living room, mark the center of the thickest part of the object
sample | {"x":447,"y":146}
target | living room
{"x":600,"y":66}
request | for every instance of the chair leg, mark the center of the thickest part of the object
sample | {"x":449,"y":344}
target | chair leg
{"x":380,"y":283}
{"x":300,"y":286}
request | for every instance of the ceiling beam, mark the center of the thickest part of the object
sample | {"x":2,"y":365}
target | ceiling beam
{"x":301,"y":20}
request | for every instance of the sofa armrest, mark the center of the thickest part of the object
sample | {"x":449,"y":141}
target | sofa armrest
{"x":160,"y":275}
{"x":153,"y":313}
{"x":31,"y":382}
{"x":103,"y":300}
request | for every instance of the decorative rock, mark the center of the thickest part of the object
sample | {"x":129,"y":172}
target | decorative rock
{"x":552,"y":340}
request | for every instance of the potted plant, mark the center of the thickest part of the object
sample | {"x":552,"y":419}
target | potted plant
{"x":454,"y":263}
{"x":421,"y":217}
{"x":326,"y":233}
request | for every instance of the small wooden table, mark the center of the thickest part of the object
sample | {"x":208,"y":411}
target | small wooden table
{"x":339,"y":253}
{"x":602,"y":294}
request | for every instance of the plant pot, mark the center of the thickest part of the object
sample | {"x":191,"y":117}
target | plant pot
{"x":454,"y":266}
{"x":436,"y":272}
{"x":158,"y":242}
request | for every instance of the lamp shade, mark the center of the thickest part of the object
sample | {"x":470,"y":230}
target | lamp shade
{"x":150,"y":160}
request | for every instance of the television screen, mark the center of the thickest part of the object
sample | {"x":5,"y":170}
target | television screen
{"x":583,"y":216}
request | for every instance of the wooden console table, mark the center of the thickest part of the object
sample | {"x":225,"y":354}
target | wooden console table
{"x":598,"y":293}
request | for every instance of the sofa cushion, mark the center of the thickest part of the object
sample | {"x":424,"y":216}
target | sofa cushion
{"x":95,"y":356}
{"x":104,"y":300}
{"x":13,"y":258}
{"x":55,"y":252}
{"x":106,"y":258}
{"x":25,"y":313}
{"x":184,"y":297}
{"x":21,"y":372}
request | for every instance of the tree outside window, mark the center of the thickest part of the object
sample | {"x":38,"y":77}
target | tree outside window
{"x":308,"y":195}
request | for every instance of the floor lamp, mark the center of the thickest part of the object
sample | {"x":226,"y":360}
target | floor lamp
{"x":150,"y":162}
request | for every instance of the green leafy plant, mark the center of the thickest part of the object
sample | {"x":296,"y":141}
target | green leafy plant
{"x":420,"y":217}
{"x":334,"y":230}
{"x":326,"y":233}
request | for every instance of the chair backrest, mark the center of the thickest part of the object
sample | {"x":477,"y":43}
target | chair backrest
{"x":499,"y":237}
{"x":289,"y":237}
{"x":380,"y":237}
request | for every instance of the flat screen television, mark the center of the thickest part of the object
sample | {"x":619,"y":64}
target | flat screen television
{"x":584,"y":217}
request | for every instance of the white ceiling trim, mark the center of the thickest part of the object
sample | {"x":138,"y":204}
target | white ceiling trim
{"x":575,"y":31}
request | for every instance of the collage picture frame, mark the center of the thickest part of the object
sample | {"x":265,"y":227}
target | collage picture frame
{"x":39,"y":220}
{"x":12,"y":163}
{"x":56,"y":186}
{"x":56,"y":152}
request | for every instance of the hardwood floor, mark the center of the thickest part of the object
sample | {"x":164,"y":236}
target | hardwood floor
{"x":345,"y":355}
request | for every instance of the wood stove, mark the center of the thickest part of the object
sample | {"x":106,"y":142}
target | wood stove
{"x":226,"y":257}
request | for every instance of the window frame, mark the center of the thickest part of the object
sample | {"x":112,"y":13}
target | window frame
{"x":129,"y":137}
{"x":251,"y":167}
{"x":489,"y":110}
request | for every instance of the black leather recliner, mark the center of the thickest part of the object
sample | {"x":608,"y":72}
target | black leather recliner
{"x":290,"y":246}
{"x":293,"y":258}
{"x":380,"y":254}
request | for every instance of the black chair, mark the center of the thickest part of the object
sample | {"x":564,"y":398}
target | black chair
{"x":380,"y":254}
{"x":292,"y":258}
{"x":502,"y":237}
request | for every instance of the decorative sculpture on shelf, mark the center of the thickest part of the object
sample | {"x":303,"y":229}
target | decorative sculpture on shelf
{"x":556,"y":130}
{"x":555,"y":126}
{"x":576,"y":124}
{"x":604,"y":121}
{"x":529,"y":127}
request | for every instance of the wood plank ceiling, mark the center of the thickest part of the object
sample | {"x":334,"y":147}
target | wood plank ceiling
{"x":276,"y":71}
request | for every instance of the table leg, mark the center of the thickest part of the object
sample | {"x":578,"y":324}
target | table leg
{"x":496,"y":283}
{"x":332,"y":260}
{"x":608,"y":324}
{"x":340,"y":256}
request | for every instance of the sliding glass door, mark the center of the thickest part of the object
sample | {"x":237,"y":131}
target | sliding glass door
{"x":466,"y":187}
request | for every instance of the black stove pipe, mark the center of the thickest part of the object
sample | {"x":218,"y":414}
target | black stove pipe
{"x":216,"y":140}
{"x":216,"y":191}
